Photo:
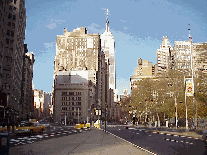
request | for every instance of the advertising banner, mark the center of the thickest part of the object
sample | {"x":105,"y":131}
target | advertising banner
{"x":189,"y":87}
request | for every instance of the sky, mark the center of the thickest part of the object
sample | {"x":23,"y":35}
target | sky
{"x":138,"y":27}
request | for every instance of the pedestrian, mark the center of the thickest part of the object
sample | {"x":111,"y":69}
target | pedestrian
{"x":192,"y":124}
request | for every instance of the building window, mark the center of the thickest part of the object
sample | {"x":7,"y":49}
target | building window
{"x":7,"y":41}
{"x":9,"y":23}
{"x":72,"y":108}
{"x":14,"y":17}
{"x":72,"y":103}
{"x":8,"y":32}
{"x":64,"y":93}
{"x":12,"y":33}
{"x":71,"y":93}
{"x":15,"y":1}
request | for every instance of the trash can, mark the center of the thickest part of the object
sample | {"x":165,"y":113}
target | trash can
{"x":4,"y":143}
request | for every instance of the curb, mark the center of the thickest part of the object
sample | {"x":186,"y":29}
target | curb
{"x":137,"y":146}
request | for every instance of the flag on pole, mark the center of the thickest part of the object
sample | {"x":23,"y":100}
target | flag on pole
{"x":188,"y":24}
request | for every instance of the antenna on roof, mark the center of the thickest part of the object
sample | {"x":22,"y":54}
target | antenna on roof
{"x":189,"y":33}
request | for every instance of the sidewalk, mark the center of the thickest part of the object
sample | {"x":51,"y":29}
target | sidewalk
{"x":94,"y":142}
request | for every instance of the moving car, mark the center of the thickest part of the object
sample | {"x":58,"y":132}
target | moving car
{"x":30,"y":128}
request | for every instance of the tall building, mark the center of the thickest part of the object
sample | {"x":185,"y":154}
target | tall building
{"x":108,"y":48}
{"x":76,"y":67}
{"x":182,"y":56}
{"x":46,"y":105}
{"x":38,"y":103}
{"x":27,"y":108}
{"x":199,"y":59}
{"x":12,"y":28}
{"x":144,"y":69}
{"x":164,"y":56}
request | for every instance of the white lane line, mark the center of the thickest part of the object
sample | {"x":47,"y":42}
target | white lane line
{"x":33,"y":138}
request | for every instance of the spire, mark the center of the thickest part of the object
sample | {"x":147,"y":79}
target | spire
{"x":107,"y":22}
{"x":189,"y":33}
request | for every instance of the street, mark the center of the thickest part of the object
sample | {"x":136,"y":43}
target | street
{"x":53,"y":132}
{"x":159,"y":143}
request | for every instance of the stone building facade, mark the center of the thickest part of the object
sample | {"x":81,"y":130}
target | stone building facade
{"x":12,"y":28}
{"x":27,"y":103}
{"x":78,"y":54}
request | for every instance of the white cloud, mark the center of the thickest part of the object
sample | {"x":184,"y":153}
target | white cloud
{"x":123,"y":21}
{"x":51,"y":25}
{"x":93,"y":28}
{"x":49,"y":46}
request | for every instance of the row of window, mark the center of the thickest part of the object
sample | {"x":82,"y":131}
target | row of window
{"x":13,"y":17}
{"x":11,"y":25}
{"x":72,"y":98}
{"x":10,"y":1}
{"x":71,"y":103}
{"x":70,"y":93}
{"x":71,"y":108}
{"x":71,"y":113}
{"x":9,"y":41}
{"x":10,"y":33}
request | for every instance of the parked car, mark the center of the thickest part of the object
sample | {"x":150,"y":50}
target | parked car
{"x":204,"y":136}
{"x":30,"y":128}
{"x":46,"y":124}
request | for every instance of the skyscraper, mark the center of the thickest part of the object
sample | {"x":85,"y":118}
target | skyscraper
{"x":76,"y":67}
{"x":12,"y":27}
{"x":163,"y":56}
{"x":108,"y":47}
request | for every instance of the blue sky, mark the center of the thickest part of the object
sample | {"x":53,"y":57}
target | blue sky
{"x":137,"y":25}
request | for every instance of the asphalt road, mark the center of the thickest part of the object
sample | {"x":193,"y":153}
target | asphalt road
{"x":53,"y":132}
{"x":159,"y":143}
